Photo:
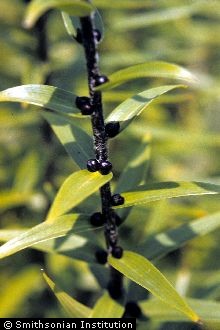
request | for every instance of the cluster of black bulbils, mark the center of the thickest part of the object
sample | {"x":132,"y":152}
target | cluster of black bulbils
{"x":97,"y":219}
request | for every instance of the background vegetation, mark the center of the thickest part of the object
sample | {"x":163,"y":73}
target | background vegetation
{"x":182,"y":129}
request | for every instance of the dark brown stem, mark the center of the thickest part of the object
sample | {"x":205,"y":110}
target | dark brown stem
{"x":99,"y":135}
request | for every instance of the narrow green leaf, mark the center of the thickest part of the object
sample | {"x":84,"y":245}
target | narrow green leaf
{"x":38,"y":7}
{"x":144,"y":273}
{"x":112,"y":308}
{"x":122,"y":4}
{"x":77,"y":142}
{"x":72,"y":307}
{"x":207,"y":309}
{"x":70,"y":28}
{"x":157,"y":17}
{"x":45,"y":96}
{"x":131,"y":108}
{"x":40,"y":233}
{"x":135,"y":171}
{"x":74,"y":190}
{"x":161,"y":244}
{"x":149,"y":69}
{"x":163,"y":190}
{"x":78,"y":243}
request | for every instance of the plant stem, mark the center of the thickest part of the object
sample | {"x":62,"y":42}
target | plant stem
{"x":100,"y":139}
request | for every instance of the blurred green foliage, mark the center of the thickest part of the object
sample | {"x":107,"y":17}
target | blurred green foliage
{"x":184,"y":128}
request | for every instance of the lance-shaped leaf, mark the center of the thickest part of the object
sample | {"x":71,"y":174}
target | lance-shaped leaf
{"x":208,"y":310}
{"x":164,"y":190}
{"x":77,"y":242}
{"x":144,"y":273}
{"x":146,"y":70}
{"x":74,"y":190}
{"x":135,"y":171}
{"x":45,"y":96}
{"x":143,"y":20}
{"x":72,"y":307}
{"x":38,"y":7}
{"x":77,"y":142}
{"x":112,"y":308}
{"x":69,"y":25}
{"x":161,"y":244}
{"x":131,"y":108}
{"x":122,"y":4}
{"x":40,"y":233}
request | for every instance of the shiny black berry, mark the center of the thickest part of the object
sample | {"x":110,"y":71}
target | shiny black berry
{"x":78,"y":37}
{"x":132,"y":309}
{"x":105,"y":167}
{"x":115,"y":289}
{"x":93,"y":165}
{"x":84,"y":104}
{"x":97,"y":35}
{"x":112,"y":129}
{"x":101,"y":256}
{"x":99,"y":80}
{"x":97,"y":219}
{"x":117,"y":199}
{"x":117,"y":252}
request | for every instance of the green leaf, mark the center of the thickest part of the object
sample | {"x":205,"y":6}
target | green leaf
{"x":45,"y":96}
{"x":161,"y":244}
{"x":207,"y":309}
{"x":135,"y":171}
{"x":38,"y":7}
{"x":144,"y":273}
{"x":112,"y":308}
{"x":122,"y":4}
{"x":68,"y":23}
{"x":131,"y":108}
{"x":145,"y":70}
{"x":78,"y":243}
{"x":74,"y":190}
{"x":163,"y":190}
{"x":77,"y":142}
{"x":72,"y":307}
{"x":40,"y":233}
{"x":157,"y":17}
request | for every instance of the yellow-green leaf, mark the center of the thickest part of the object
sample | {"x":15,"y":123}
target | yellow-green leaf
{"x":40,"y":233}
{"x":208,"y":310}
{"x":157,"y":246}
{"x":70,"y":28}
{"x":145,"y":70}
{"x":75,"y":189}
{"x":72,"y":307}
{"x":163,"y":190}
{"x":75,"y":140}
{"x":112,"y":308}
{"x":125,"y":112}
{"x":143,"y":272}
{"x":161,"y":16}
{"x":38,"y":7}
{"x":45,"y":96}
